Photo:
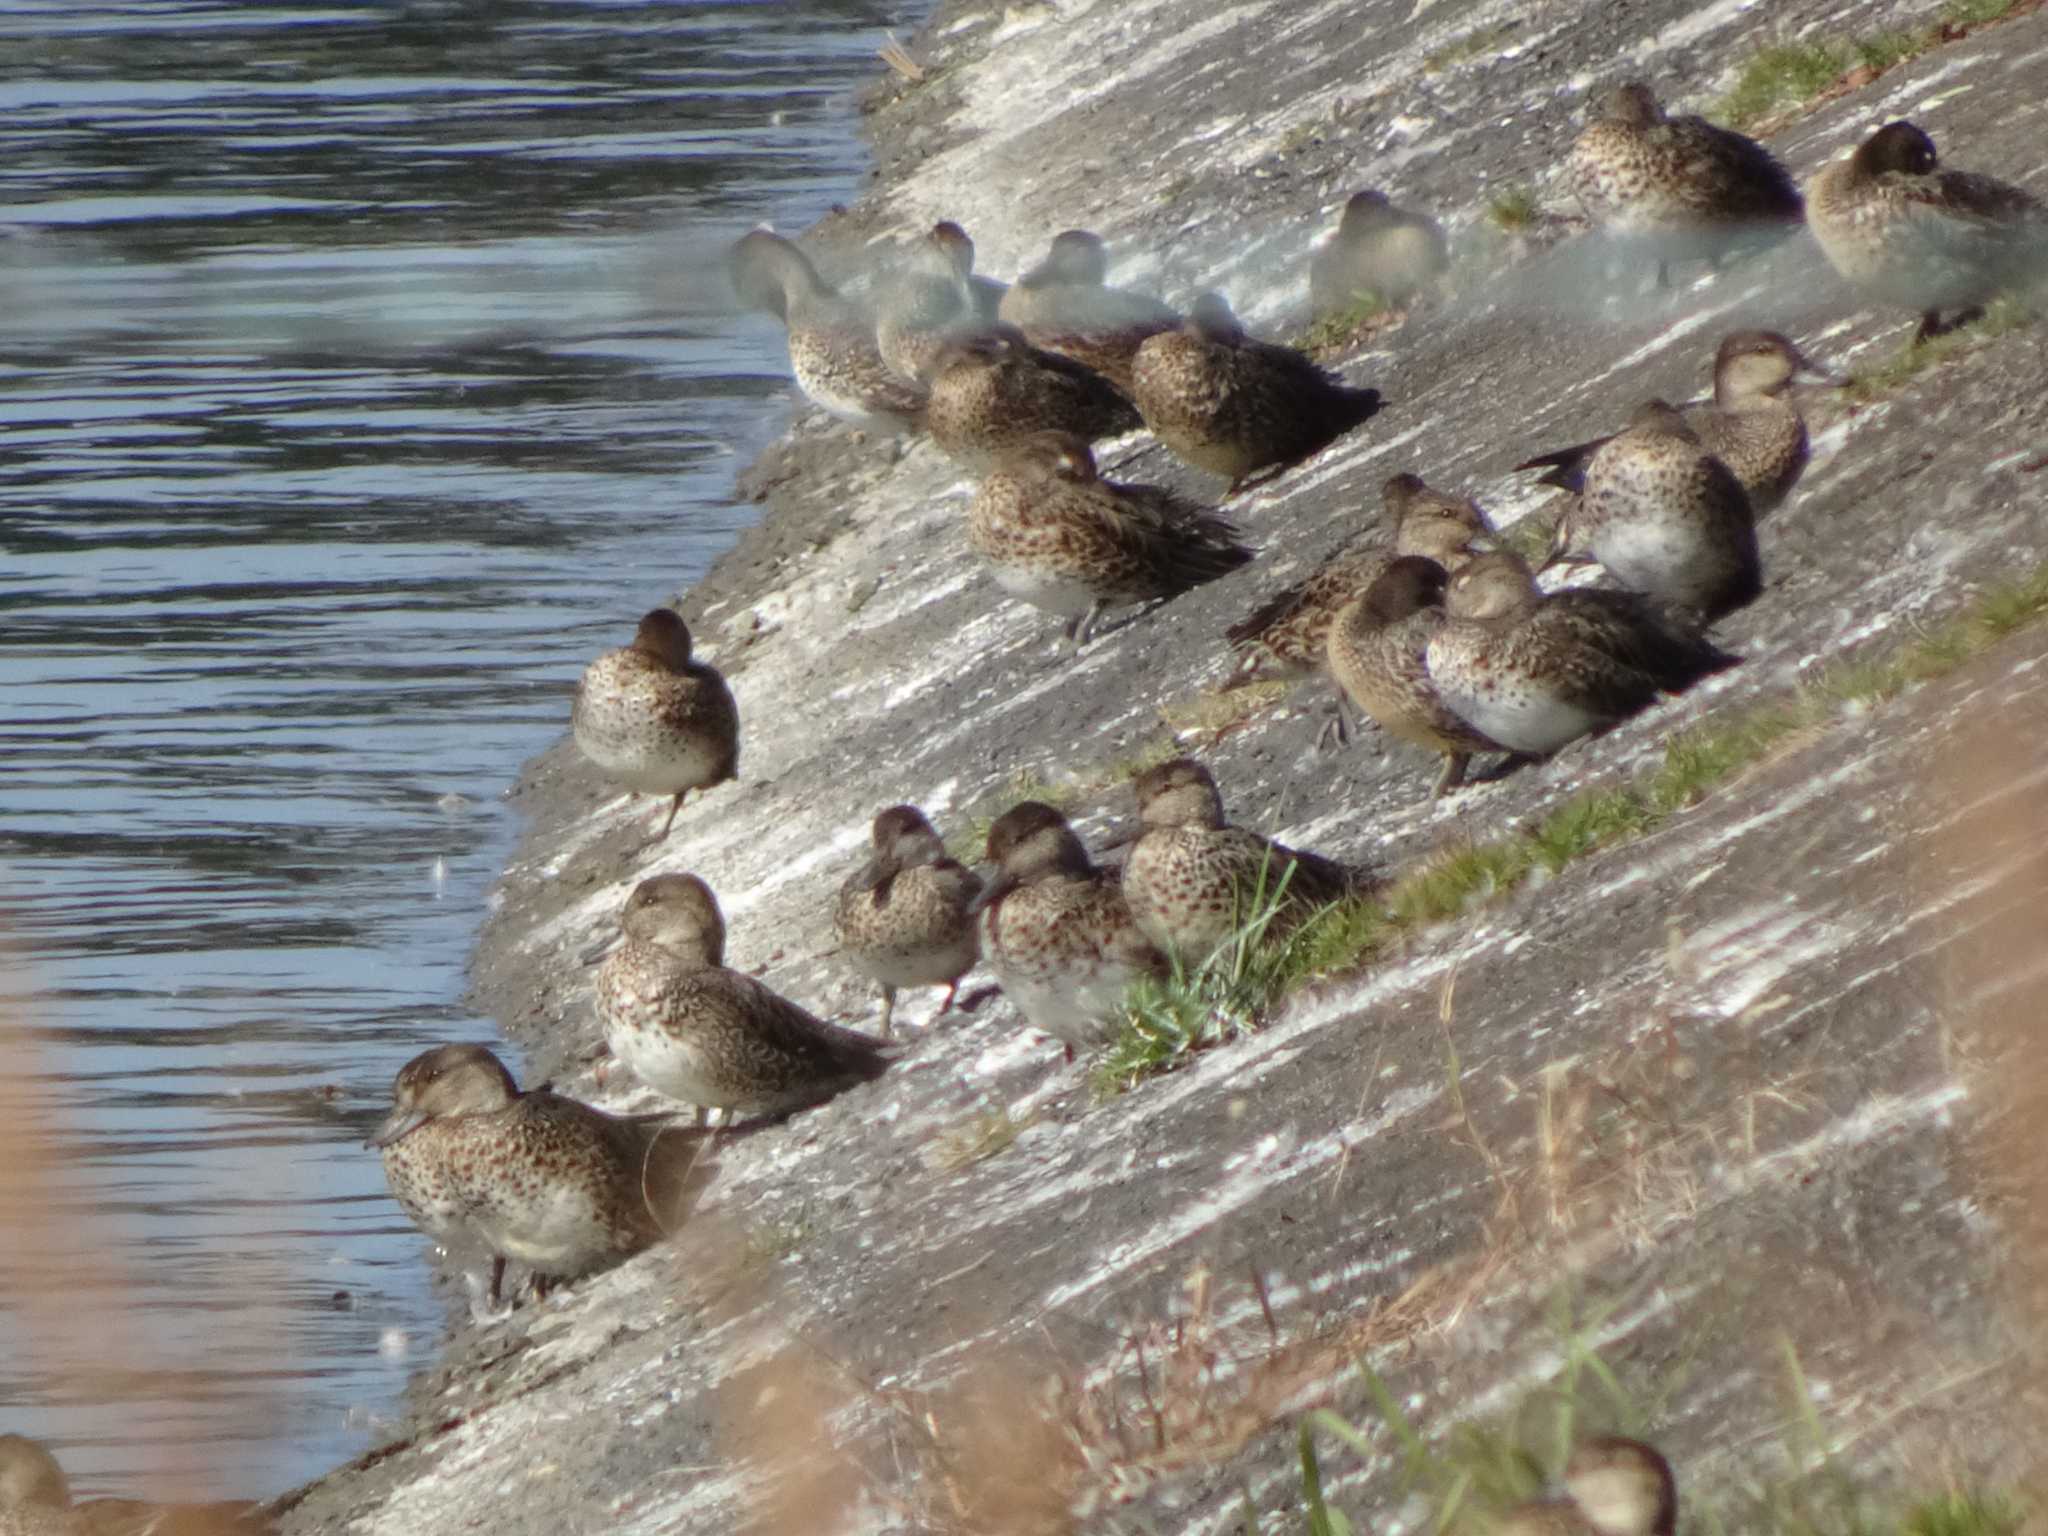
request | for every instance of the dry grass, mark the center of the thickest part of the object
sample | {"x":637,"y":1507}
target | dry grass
{"x":900,"y":62}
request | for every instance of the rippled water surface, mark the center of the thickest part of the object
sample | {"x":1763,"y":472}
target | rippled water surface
{"x":357,"y":380}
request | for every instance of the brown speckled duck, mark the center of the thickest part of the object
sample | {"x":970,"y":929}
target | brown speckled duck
{"x":1192,"y":880}
{"x":1907,"y":232}
{"x":1378,"y":654}
{"x":1236,"y":407}
{"x":1380,"y":254}
{"x":1613,"y":1487}
{"x":692,"y":1029}
{"x":1752,"y":424}
{"x":832,"y":347}
{"x":491,"y":1173}
{"x":1292,"y":628}
{"x":1065,"y":305}
{"x":1535,"y":673}
{"x":1056,"y":931}
{"x":991,"y":389}
{"x":653,"y":719}
{"x":1060,"y":537}
{"x":904,"y":918}
{"x":1666,"y":518}
{"x":1681,"y":185}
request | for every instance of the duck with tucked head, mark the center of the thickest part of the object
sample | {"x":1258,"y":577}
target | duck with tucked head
{"x":904,"y":918}
{"x":1379,"y":253}
{"x":1680,"y":185}
{"x":991,"y":389}
{"x":1666,"y":518}
{"x":653,"y":719}
{"x":1613,"y":1487}
{"x":1056,"y":931}
{"x":1243,"y":409}
{"x":1062,"y":538}
{"x":1907,"y":231}
{"x":1192,"y":880}
{"x":694,"y":1030}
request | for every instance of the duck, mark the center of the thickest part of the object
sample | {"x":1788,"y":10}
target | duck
{"x":990,"y":388}
{"x":1752,"y":424}
{"x":833,"y":352}
{"x":1380,"y":253}
{"x":655,"y":720}
{"x":1065,"y":305}
{"x":1687,"y":187}
{"x":1242,"y":409}
{"x":904,"y":917}
{"x":1907,"y":231}
{"x":1062,"y":538}
{"x":934,"y":299}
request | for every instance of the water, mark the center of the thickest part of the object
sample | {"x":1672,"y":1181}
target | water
{"x":357,"y":382}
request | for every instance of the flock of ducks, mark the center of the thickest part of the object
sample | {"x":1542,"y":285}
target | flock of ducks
{"x":1426,"y":624}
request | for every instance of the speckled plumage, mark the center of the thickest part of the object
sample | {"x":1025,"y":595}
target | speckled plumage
{"x":1056,"y":931}
{"x":1939,"y":242}
{"x":653,"y":719}
{"x":1613,"y":1487}
{"x":491,"y":1173}
{"x":1292,"y":628}
{"x":1378,"y":252}
{"x":1681,"y":184}
{"x":1752,"y":424}
{"x":1065,"y":305}
{"x":1534,"y":672}
{"x":1191,"y":879}
{"x":832,"y":347}
{"x":1059,"y":537}
{"x":1378,"y":646}
{"x":1236,"y":407}
{"x":933,"y":299}
{"x":904,"y":918}
{"x":1666,"y":518}
{"x":991,"y":389}
{"x":690,"y":1028}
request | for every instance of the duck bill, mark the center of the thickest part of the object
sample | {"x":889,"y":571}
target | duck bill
{"x":1807,"y":371}
{"x":598,"y":951}
{"x":995,"y":885}
{"x":869,"y":876}
{"x":1124,"y":837}
{"x":397,"y":1125}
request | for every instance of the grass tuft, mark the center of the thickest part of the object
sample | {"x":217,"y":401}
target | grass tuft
{"x":1333,"y":331}
{"x":1512,"y":210}
{"x":1977,"y":13}
{"x":1960,"y":1513}
{"x":1226,"y":993}
{"x":1783,"y":75}
{"x":976,"y":1140}
{"x":1480,"y":40}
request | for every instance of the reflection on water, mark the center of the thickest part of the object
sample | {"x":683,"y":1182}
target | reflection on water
{"x":353,"y":358}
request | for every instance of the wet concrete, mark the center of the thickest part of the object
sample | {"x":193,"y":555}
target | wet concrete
{"x":1718,"y":1092}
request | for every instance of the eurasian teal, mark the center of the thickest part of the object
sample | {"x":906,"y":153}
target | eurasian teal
{"x":1534,"y":672}
{"x":1292,"y":629}
{"x":691,"y":1029}
{"x":933,"y":300}
{"x":1613,"y":1487}
{"x":1380,"y":254}
{"x":1681,"y":185}
{"x":993,"y":388}
{"x":1934,"y":241}
{"x":1056,"y":930}
{"x":832,"y":347}
{"x":1062,"y":539}
{"x":1752,"y":424}
{"x":494,"y":1174}
{"x":1666,"y":518}
{"x":1064,"y":304}
{"x":1378,"y":650}
{"x":904,"y":917}
{"x":1236,"y":407}
{"x":1192,"y":880}
{"x":654,"y":720}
